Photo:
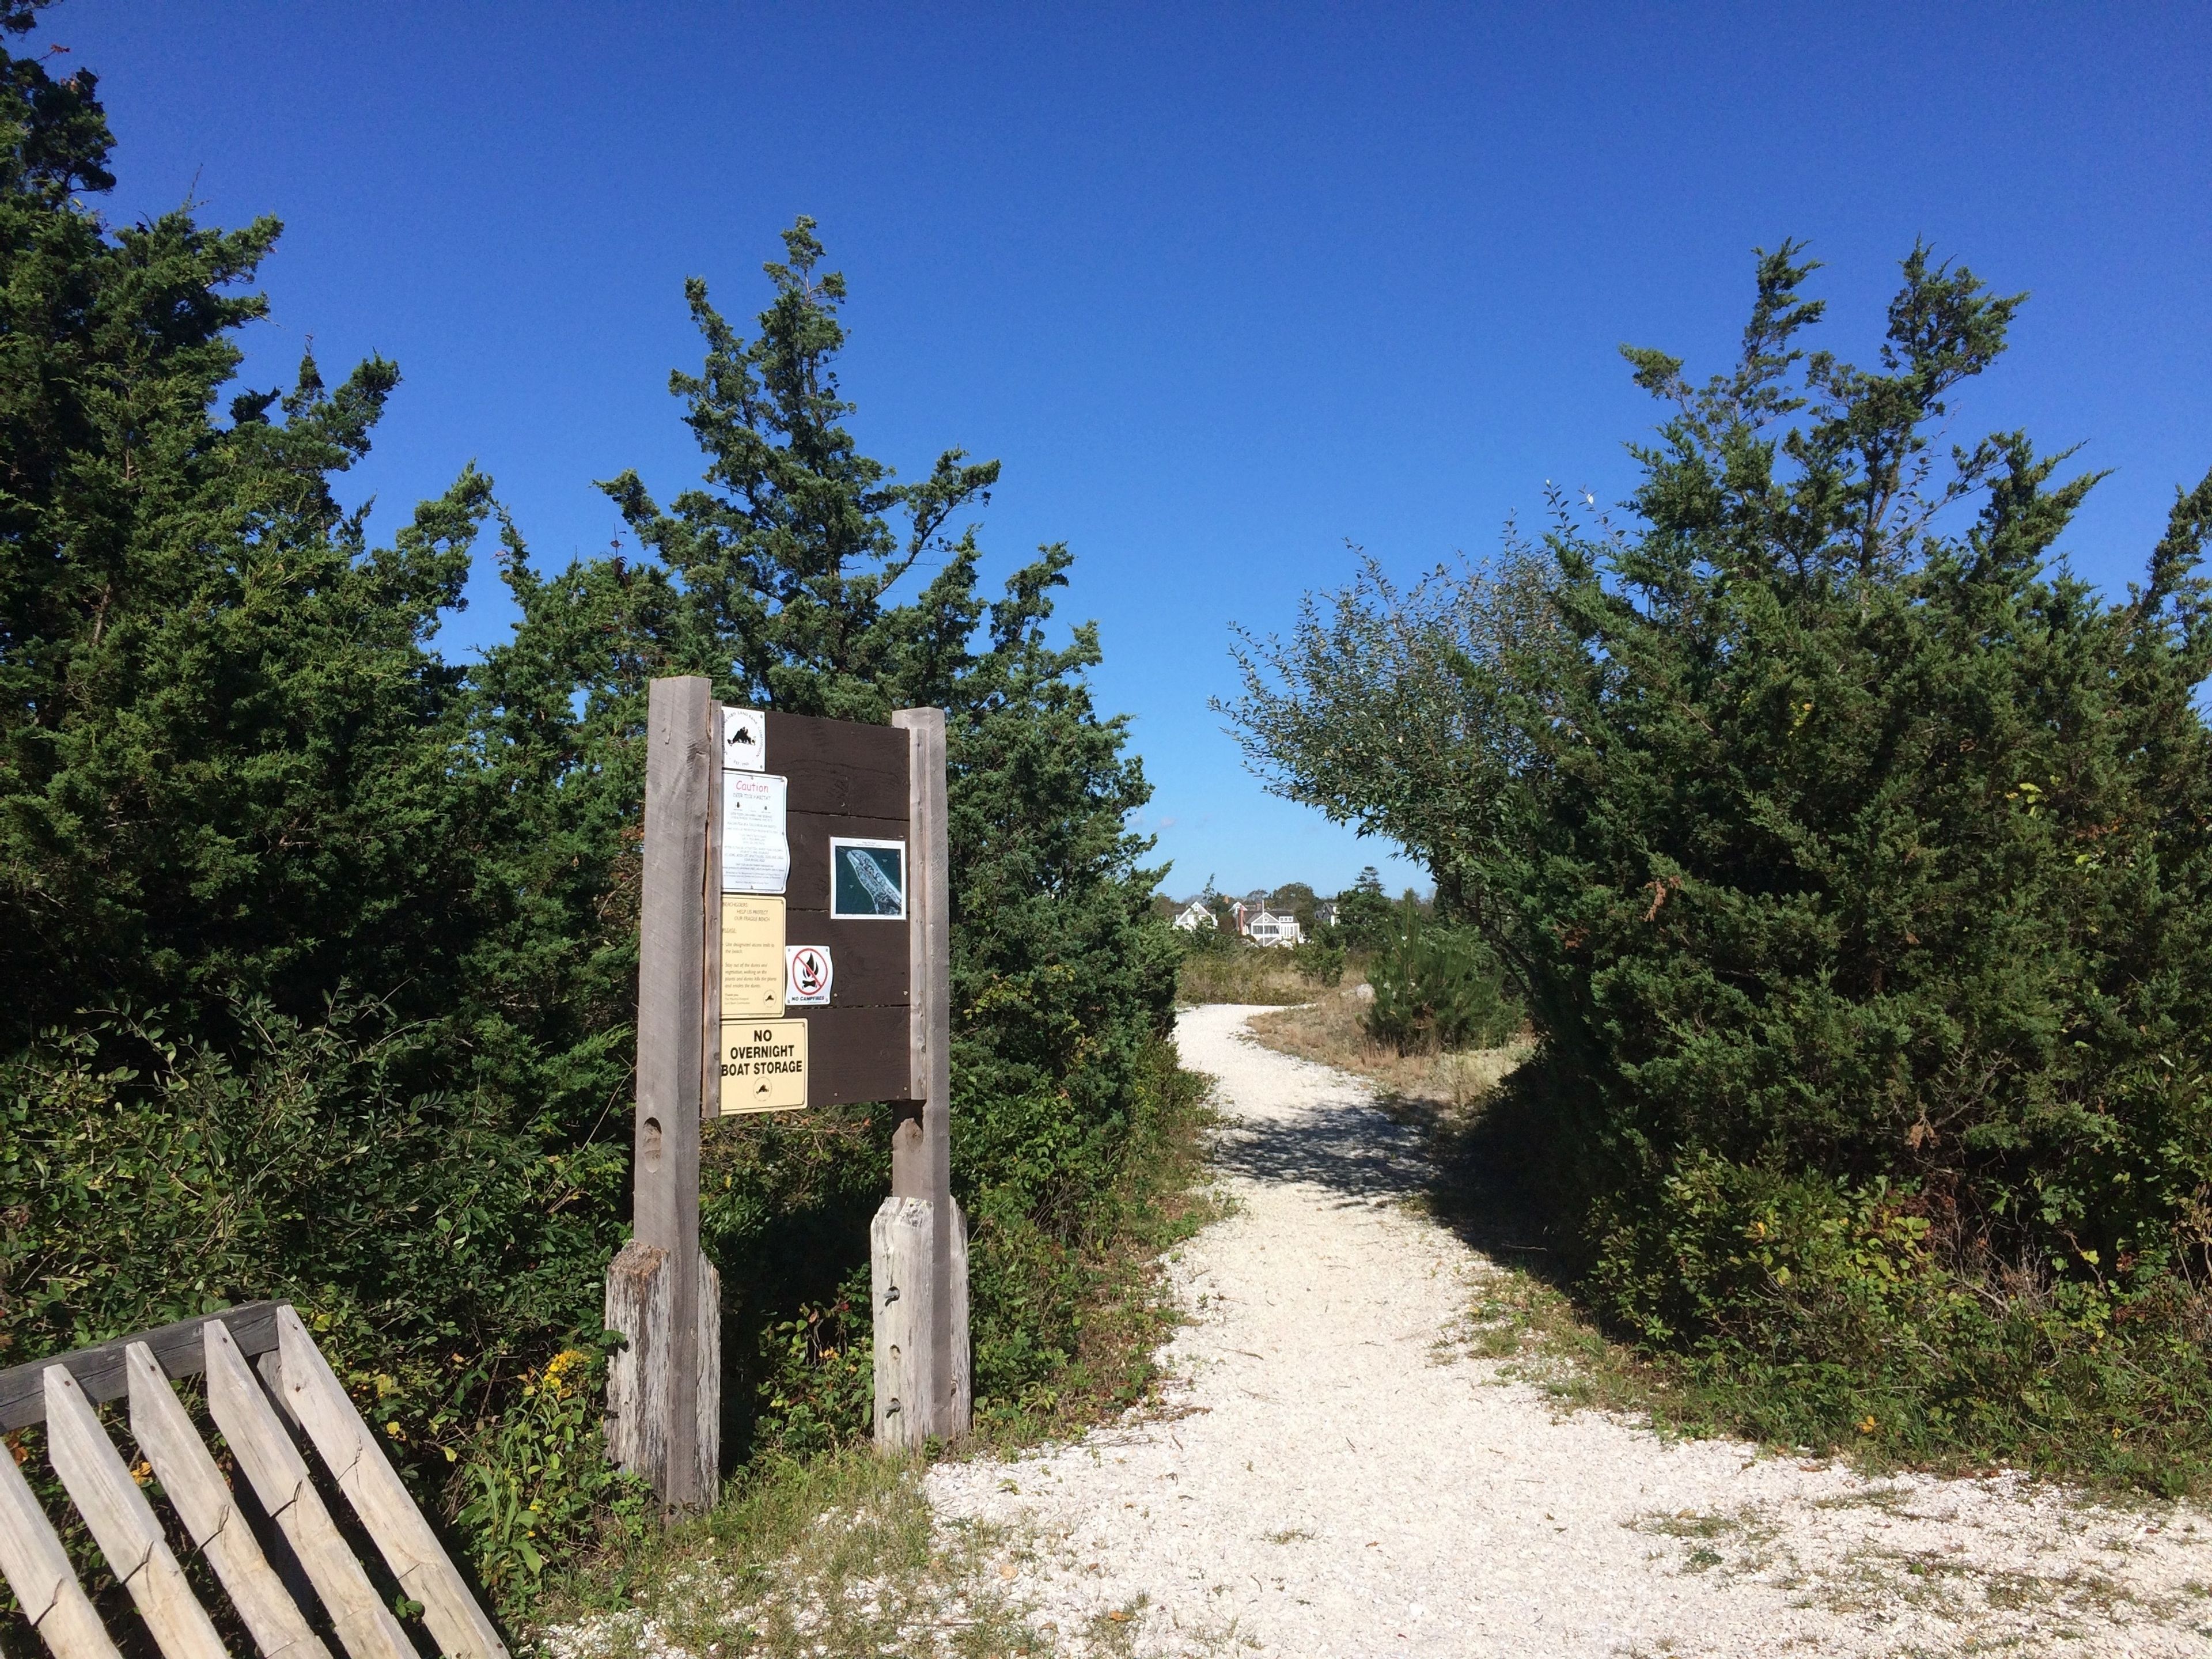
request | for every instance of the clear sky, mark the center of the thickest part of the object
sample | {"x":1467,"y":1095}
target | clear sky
{"x":1223,"y":288}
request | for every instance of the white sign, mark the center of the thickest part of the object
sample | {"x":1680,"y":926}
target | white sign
{"x":867,"y":879}
{"x":744,"y":739}
{"x":806,"y":976}
{"x":756,"y":852}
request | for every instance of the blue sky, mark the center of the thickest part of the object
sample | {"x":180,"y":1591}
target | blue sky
{"x":1223,"y":288}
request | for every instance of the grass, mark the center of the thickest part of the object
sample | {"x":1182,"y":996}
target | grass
{"x":1735,"y":1540}
{"x":1241,"y":973}
{"x":1326,"y":1029}
{"x":838,"y":1555}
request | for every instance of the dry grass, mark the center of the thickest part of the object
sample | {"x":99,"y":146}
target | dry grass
{"x":1244,"y":974}
{"x":1326,"y":1029}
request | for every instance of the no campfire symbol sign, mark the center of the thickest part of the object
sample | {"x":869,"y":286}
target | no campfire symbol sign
{"x":806,"y":976}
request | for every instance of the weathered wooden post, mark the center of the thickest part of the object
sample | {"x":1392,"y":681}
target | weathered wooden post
{"x":794,"y":950}
{"x":919,"y":1243}
{"x":664,"y":1391}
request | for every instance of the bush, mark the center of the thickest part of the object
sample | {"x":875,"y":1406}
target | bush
{"x":1813,"y":1314}
{"x":1437,"y":987}
{"x":1319,"y":961}
{"x":1856,"y":860}
{"x":1245,"y":973}
{"x":387,"y":906}
{"x":541,"y":1491}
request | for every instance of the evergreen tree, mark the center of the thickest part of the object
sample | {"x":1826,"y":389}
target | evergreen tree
{"x":1854,"y":855}
{"x":250,"y":880}
{"x":775,"y":578}
{"x":222,"y":740}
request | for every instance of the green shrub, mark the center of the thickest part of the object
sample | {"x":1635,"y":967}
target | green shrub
{"x":387,"y":904}
{"x":1208,"y":941}
{"x":1856,"y":858}
{"x":1437,"y":987}
{"x":540,"y":1489}
{"x":1811,"y":1314}
{"x":1364,"y":917}
{"x":1320,"y":962}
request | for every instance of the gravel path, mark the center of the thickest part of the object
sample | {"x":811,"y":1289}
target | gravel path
{"x":1330,"y":1475}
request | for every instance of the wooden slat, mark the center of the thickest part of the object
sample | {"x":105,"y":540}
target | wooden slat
{"x":904,"y":1303}
{"x":809,"y":834}
{"x":710,"y":946}
{"x":906,"y":1293}
{"x":839,"y":766}
{"x":357,"y":1462}
{"x":707,"y":1445}
{"x":37,"y":1569}
{"x":166,"y":1434}
{"x":637,"y":1379}
{"x":278,"y":1474}
{"x":962,"y":1389}
{"x":101,"y":1372}
{"x":855,"y":1055}
{"x":122,"y":1523}
{"x":870,"y":959}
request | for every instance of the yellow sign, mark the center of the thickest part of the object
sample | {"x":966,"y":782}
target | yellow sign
{"x":752,"y":956}
{"x":764,"y":1066}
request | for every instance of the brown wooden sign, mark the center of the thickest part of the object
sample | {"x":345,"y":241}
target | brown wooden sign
{"x":843,"y":782}
{"x":795,"y":894}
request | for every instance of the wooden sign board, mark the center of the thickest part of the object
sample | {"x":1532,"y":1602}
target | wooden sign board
{"x":795,"y":891}
{"x":805,"y":794}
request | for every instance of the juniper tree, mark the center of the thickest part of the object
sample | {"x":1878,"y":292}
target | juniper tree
{"x":801,"y":574}
{"x":1845,"y":839}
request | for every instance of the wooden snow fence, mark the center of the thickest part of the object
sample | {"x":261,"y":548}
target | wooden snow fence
{"x":317,"y":1583}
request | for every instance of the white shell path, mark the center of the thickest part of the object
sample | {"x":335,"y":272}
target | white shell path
{"x":1329,"y":1476}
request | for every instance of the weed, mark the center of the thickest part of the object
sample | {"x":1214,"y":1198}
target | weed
{"x":1744,"y":1531}
{"x":1329,"y":1028}
{"x":833,"y":1555}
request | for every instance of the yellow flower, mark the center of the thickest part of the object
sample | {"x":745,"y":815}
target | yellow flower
{"x":1867,"y":1424}
{"x":558,"y":1380}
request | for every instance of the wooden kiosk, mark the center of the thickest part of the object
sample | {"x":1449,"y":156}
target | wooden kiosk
{"x":794,"y":950}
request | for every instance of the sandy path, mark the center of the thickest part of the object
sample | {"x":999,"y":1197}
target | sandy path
{"x":1330,"y":1477}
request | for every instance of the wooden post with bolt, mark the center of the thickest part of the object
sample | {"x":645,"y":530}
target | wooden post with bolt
{"x":919,"y":1243}
{"x":664,"y":1391}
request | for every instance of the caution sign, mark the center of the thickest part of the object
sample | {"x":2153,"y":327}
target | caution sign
{"x":764,"y":1066}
